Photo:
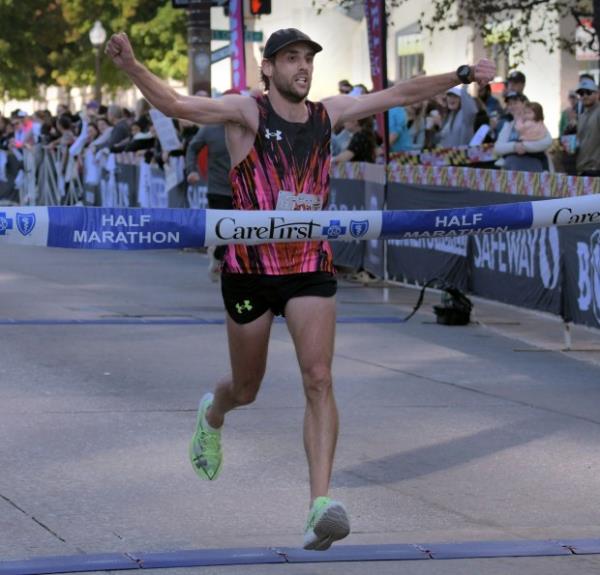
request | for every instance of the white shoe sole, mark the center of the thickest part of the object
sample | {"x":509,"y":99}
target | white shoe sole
{"x":332,"y":526}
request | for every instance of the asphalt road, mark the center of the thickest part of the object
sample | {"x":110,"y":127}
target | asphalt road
{"x":482,"y":433}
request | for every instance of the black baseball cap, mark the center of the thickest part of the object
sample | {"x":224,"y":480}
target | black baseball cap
{"x":516,"y":76}
{"x":284,"y":37}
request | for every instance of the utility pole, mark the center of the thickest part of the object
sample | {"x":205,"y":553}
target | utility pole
{"x":199,"y":36}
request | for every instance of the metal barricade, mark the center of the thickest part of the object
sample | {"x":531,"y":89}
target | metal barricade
{"x":28,"y":187}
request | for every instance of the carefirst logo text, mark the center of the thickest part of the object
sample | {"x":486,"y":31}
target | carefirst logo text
{"x":276,"y":228}
{"x":565,"y":216}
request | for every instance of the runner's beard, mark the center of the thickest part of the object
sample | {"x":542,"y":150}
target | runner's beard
{"x":288,"y":90}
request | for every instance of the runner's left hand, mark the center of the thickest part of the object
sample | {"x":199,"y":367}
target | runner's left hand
{"x":484,"y":72}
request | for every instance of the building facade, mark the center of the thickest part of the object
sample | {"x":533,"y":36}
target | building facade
{"x":410,"y":50}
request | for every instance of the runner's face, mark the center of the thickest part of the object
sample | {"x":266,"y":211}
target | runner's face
{"x":292,"y":71}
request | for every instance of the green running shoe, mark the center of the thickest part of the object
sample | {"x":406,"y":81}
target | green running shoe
{"x":327,"y":522}
{"x":205,"y":447}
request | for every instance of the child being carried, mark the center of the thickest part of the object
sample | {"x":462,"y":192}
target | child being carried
{"x":530,"y":126}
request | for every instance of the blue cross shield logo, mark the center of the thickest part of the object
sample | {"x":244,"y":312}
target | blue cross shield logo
{"x":334,"y":229}
{"x":6,"y":223}
{"x":25,"y":223}
{"x":358,"y":228}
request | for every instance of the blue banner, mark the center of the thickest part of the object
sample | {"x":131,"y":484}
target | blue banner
{"x":456,"y":221}
{"x":125,"y":228}
{"x":175,"y":228}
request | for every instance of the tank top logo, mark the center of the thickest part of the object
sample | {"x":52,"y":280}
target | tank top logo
{"x":274,"y":134}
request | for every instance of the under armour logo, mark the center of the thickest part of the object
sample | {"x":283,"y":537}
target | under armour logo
{"x":276,"y":134}
{"x":242,"y":307}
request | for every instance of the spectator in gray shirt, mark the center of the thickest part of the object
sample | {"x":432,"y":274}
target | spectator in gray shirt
{"x":121,"y":130}
{"x":458,"y":127}
{"x":219,"y":164}
{"x":588,"y":129}
{"x":517,"y":154}
{"x":219,"y":193}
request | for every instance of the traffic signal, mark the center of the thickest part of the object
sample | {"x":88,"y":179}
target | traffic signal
{"x":258,"y":7}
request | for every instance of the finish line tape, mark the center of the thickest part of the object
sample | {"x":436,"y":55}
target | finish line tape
{"x":175,"y":228}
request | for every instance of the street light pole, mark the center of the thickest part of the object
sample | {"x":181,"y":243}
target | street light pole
{"x":97,"y":38}
{"x":97,"y":89}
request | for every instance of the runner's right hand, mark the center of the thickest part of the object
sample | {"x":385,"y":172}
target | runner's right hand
{"x":120,"y":50}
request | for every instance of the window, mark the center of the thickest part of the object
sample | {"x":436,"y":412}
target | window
{"x":409,"y":53}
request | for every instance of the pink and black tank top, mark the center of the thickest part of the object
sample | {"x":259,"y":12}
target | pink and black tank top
{"x":287,"y":168}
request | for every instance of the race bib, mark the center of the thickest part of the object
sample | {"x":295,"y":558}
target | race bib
{"x":294,"y":202}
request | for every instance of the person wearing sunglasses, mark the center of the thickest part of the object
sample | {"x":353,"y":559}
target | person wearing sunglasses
{"x":588,"y":129}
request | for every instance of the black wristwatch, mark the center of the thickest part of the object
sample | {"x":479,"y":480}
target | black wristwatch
{"x":464,"y":74}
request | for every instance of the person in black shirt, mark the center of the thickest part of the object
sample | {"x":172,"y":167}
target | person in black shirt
{"x":363,"y":144}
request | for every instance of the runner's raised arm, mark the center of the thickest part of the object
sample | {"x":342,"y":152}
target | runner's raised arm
{"x":236,"y":109}
{"x":344,"y":108}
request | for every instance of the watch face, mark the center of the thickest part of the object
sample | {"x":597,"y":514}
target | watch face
{"x":463,"y":73}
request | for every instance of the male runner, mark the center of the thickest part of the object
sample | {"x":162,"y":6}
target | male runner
{"x":279,"y":148}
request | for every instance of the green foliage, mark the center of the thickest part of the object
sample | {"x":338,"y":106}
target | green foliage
{"x":161,"y":43}
{"x":45,"y":42}
{"x":28,"y":31}
{"x":509,"y":22}
{"x":514,"y":23}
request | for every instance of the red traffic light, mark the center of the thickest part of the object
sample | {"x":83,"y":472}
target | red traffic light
{"x":258,"y":7}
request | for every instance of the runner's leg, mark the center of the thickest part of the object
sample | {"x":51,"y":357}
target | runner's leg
{"x":311,"y":322}
{"x":248,"y":346}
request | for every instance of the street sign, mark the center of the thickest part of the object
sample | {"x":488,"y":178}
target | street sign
{"x":220,"y":54}
{"x":249,"y":35}
{"x":253,"y":36}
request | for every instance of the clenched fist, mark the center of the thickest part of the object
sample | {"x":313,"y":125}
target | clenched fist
{"x":120,"y":50}
{"x":484,"y":72}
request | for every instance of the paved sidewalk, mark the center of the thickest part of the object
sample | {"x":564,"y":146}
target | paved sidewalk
{"x":487,"y":432}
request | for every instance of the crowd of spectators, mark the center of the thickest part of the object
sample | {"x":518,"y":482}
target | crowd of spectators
{"x":88,"y":136}
{"x":508,"y":120}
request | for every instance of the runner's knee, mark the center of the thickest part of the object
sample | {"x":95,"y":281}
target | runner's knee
{"x":317,"y":381}
{"x":246,"y":393}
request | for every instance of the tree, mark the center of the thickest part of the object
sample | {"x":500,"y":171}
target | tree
{"x":45,"y":42}
{"x":509,"y":22}
{"x":157,"y":31}
{"x":28,"y":33}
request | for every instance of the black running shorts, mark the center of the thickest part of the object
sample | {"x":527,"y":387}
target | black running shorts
{"x":248,"y":296}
